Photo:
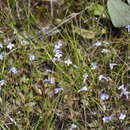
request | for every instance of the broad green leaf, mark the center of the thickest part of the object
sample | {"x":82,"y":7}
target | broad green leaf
{"x":119,"y":13}
{"x":96,"y":10}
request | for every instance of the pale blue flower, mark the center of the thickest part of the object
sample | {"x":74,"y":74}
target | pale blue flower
{"x":83,"y":89}
{"x":101,"y":77}
{"x":112,"y":65}
{"x":10,"y":45}
{"x":85,"y":77}
{"x":104,"y":51}
{"x":51,"y":94}
{"x":126,"y":93}
{"x":1,"y":45}
{"x":13,"y":70}
{"x":58,"y":54}
{"x":58,"y":46}
{"x":1,"y":57}
{"x":128,"y":28}
{"x":122,"y":116}
{"x":56,"y":31}
{"x":73,"y":126}
{"x":123,"y":91}
{"x":58,"y":114}
{"x":98,"y":43}
{"x":93,"y":113}
{"x":49,"y":80}
{"x":2,"y":82}
{"x":57,"y":51}
{"x":121,"y":87}
{"x":56,"y":59}
{"x":75,"y":66}
{"x":68,"y":62}
{"x":94,"y":66}
{"x":48,"y":70}
{"x":106,"y":119}
{"x":57,"y":90}
{"x":31,"y":57}
{"x":104,"y":96}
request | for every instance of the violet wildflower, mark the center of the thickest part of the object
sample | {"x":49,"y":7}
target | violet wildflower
{"x":57,"y":46}
{"x":121,"y":87}
{"x":126,"y":93}
{"x":58,"y":114}
{"x":122,"y":116}
{"x":57,"y":90}
{"x":94,"y":66}
{"x":68,"y":62}
{"x":104,"y":96}
{"x":98,"y":43}
{"x":123,"y":91}
{"x":104,"y":51}
{"x":85,"y":77}
{"x":93,"y":113}
{"x":73,"y":126}
{"x":51,"y":94}
{"x":56,"y":31}
{"x":57,"y":51}
{"x":101,"y":77}
{"x":128,"y":28}
{"x":10,"y":46}
{"x":13,"y":70}
{"x":85,"y":21}
{"x":55,"y":59}
{"x":1,"y":45}
{"x":48,"y":70}
{"x":31,"y":57}
{"x":2,"y":82}
{"x":106,"y":119}
{"x":49,"y":80}
{"x":112,"y":65}
{"x":75,"y":66}
{"x":83,"y":89}
{"x":58,"y":54}
{"x":1,"y":57}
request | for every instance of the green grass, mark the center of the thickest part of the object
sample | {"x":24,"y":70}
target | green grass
{"x":29,"y":98}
